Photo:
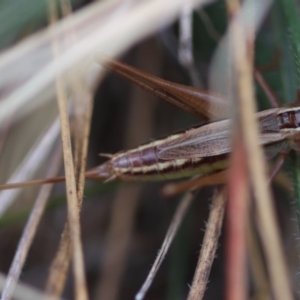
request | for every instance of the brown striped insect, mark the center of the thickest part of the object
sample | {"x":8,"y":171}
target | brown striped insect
{"x":201,"y":150}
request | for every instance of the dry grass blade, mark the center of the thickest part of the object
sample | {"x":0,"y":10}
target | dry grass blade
{"x":73,"y":209}
{"x":236,"y":221}
{"x":257,"y":267}
{"x":30,"y":230}
{"x":270,"y":94}
{"x":83,"y":105}
{"x":25,"y":292}
{"x":238,"y":197}
{"x":173,"y":228}
{"x":60,"y":265}
{"x":209,"y":246}
{"x":185,"y":50}
{"x":266,"y":216}
{"x":83,"y":109}
{"x":220,"y":76}
{"x":30,"y":164}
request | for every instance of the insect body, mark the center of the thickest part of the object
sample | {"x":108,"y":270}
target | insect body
{"x":201,"y":150}
{"x":172,"y":157}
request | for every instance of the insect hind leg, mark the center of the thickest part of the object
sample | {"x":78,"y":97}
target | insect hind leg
{"x":191,"y":184}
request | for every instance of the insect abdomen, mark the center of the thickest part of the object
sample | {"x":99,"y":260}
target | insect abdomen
{"x":143,"y":163}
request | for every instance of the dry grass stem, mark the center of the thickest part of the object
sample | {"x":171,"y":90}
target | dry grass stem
{"x":236,"y":280}
{"x":30,"y":164}
{"x":209,"y":246}
{"x":60,"y":265}
{"x":266,"y":216}
{"x":73,"y":209}
{"x":267,"y":90}
{"x":10,"y":186}
{"x":257,"y":267}
{"x":220,"y":74}
{"x":83,"y":105}
{"x":185,"y":49}
{"x":30,"y":230}
{"x":173,"y":228}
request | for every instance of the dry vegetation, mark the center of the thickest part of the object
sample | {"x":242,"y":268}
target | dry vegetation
{"x":93,"y":240}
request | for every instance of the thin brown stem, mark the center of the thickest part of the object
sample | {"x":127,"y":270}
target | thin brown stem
{"x":268,"y":227}
{"x":30,"y":230}
{"x":209,"y":246}
{"x":236,"y":220}
{"x":83,"y":110}
{"x":71,"y":191}
{"x":277,"y":167}
{"x":274,"y":101}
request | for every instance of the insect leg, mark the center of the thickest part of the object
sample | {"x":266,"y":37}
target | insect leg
{"x":212,"y":179}
{"x":278,"y":165}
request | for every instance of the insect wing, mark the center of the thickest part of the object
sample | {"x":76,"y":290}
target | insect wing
{"x":196,"y":149}
{"x":205,"y":141}
{"x":214,"y":139}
